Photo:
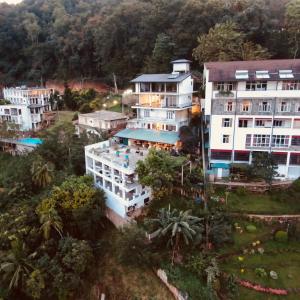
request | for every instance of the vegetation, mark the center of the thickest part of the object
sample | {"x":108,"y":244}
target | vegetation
{"x":63,"y":39}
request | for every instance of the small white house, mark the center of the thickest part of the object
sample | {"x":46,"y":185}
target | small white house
{"x":102,"y":120}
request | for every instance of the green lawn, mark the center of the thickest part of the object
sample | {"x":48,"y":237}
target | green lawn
{"x":261,"y":204}
{"x":285,"y":263}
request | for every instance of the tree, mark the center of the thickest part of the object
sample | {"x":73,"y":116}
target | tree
{"x":162,"y":54}
{"x":41,"y":172}
{"x":264,"y":166}
{"x":51,"y":220}
{"x":159,"y":171}
{"x":224,"y":42}
{"x":178,"y":226}
{"x":69,"y":99}
{"x":292,"y":20}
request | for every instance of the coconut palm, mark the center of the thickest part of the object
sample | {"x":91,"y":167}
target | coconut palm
{"x":178,"y":225}
{"x":15,"y":265}
{"x":51,"y":220}
{"x":41,"y":172}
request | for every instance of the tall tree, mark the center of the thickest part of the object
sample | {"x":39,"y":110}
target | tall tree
{"x":42,"y":172}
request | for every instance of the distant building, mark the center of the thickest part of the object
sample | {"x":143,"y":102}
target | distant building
{"x":253,"y":106}
{"x":164,"y":105}
{"x":102,"y":120}
{"x":26,"y":107}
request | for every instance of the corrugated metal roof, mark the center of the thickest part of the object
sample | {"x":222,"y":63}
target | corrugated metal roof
{"x":225,"y":71}
{"x":167,"y":137}
{"x":160,"y":78}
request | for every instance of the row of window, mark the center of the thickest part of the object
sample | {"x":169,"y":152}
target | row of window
{"x":158,"y":87}
{"x":244,"y":156}
{"x":264,"y":106}
{"x":256,"y":85}
{"x":264,"y":123}
{"x":170,"y":115}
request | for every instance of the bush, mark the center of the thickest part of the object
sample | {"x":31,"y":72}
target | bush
{"x":281,"y":236}
{"x":296,"y":185}
{"x":251,"y":228}
{"x":241,"y":191}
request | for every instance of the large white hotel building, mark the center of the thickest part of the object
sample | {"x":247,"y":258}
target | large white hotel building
{"x":253,"y":106}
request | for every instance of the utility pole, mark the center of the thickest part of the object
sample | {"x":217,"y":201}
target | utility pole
{"x":115,"y":83}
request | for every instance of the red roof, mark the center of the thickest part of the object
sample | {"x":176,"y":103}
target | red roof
{"x":225,"y":71}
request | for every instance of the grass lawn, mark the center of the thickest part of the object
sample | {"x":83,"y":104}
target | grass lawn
{"x":65,"y":116}
{"x":286,"y":264}
{"x":261,"y":204}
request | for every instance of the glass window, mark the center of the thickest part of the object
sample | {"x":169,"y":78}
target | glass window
{"x":224,"y":86}
{"x":246,"y":106}
{"x":225,"y":138}
{"x":261,"y":140}
{"x":291,"y":85}
{"x":284,"y":106}
{"x":243,"y":123}
{"x":145,"y":87}
{"x":170,"y":114}
{"x":280,"y":141}
{"x":171,"y":87}
{"x":264,"y":106}
{"x":256,"y":85}
{"x":158,"y":87}
{"x":278,"y":123}
{"x":227,"y":122}
{"x":229,"y":106}
{"x":263,"y":123}
{"x":146,"y":113}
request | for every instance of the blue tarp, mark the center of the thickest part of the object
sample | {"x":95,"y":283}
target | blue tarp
{"x":167,"y":137}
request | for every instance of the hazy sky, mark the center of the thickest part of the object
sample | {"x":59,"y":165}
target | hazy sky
{"x":11,"y":1}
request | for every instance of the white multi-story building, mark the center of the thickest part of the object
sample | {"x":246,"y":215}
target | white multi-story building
{"x":113,"y":169}
{"x":26,"y":107}
{"x":254,"y":106}
{"x":164,"y":105}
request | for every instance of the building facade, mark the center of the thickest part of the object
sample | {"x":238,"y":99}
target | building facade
{"x":102,"y":120}
{"x":26,"y":107}
{"x":164,"y":105}
{"x":113,"y":169}
{"x":254,"y":106}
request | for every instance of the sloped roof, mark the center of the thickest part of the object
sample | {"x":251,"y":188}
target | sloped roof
{"x":180,"y":61}
{"x":225,"y":71}
{"x":167,"y":137}
{"x":160,"y":78}
{"x":105,"y":115}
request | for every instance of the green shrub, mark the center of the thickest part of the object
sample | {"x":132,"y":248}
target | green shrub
{"x":241,"y":191}
{"x":296,"y":185}
{"x":260,"y":272}
{"x":251,"y":228}
{"x":281,"y":236}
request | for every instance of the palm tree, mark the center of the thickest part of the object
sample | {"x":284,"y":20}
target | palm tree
{"x":178,"y":225}
{"x":41,"y":172}
{"x":50,"y":219}
{"x":15,"y":265}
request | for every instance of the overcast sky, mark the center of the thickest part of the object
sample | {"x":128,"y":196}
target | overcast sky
{"x":11,"y":1}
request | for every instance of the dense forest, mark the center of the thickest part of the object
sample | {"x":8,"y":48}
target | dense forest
{"x":65,"y":39}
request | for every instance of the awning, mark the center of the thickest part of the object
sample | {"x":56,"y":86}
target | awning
{"x":166,"y":137}
{"x":220,"y":166}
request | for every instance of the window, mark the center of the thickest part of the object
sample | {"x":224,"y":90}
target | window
{"x":295,"y":141}
{"x":286,"y":74}
{"x":256,"y":85}
{"x":295,"y":159}
{"x":145,"y":87}
{"x":171,"y":87}
{"x":245,"y":106}
{"x":278,"y":123}
{"x":224,"y":86}
{"x":6,"y":111}
{"x":280,"y":158}
{"x":220,"y":155}
{"x":280,"y":141}
{"x":297,"y":107}
{"x":261,"y":140}
{"x":229,"y":106}
{"x":241,"y":156}
{"x":225,"y":138}
{"x":264,"y":107}
{"x":170,"y":114}
{"x":170,"y":127}
{"x":243,"y":123}
{"x":297,"y":123}
{"x":20,"y":111}
{"x":262,"y":74}
{"x":227,"y":122}
{"x":291,"y":85}
{"x":146,"y":113}
{"x":284,"y":107}
{"x":241,"y":74}
{"x":158,"y":87}
{"x":263,"y":123}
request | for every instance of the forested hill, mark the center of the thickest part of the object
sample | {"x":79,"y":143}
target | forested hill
{"x":65,"y":39}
